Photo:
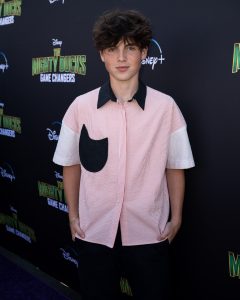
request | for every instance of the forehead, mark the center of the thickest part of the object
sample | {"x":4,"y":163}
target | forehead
{"x":125,"y":41}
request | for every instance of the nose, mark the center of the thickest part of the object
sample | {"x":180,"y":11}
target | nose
{"x":121,"y":54}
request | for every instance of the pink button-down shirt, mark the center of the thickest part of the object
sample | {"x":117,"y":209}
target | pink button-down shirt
{"x":124,"y":150}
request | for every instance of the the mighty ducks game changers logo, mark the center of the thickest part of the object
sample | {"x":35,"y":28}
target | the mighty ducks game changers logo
{"x":155,"y":55}
{"x":58,"y":68}
{"x":236,"y":58}
{"x":9,"y":125}
{"x":234,"y":264}
{"x":8,"y":10}
{"x":14,"y":226}
{"x":54,"y":194}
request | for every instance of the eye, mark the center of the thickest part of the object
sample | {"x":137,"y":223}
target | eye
{"x":131,"y":47}
{"x":110,"y":49}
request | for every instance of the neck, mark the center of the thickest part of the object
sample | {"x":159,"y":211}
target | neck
{"x":124,"y":90}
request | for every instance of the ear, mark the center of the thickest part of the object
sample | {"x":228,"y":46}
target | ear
{"x":144,"y":53}
{"x":102,"y":56}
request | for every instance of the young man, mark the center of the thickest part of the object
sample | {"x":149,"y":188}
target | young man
{"x":124,"y":147}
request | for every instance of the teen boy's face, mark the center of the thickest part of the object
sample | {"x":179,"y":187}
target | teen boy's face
{"x":123,"y":61}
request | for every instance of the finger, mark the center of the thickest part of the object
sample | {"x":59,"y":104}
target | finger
{"x":72,"y":233}
{"x":76,"y":229}
{"x":163,"y":237}
{"x":80,"y":232}
{"x":165,"y":234}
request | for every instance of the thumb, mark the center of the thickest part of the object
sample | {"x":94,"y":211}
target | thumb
{"x":163,"y":236}
{"x":165,"y":233}
{"x":75,"y":228}
{"x":79,"y":231}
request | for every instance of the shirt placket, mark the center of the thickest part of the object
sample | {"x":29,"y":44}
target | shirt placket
{"x":122,"y":153}
{"x":122,"y":144}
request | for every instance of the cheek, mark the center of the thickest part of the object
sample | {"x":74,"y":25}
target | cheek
{"x":107,"y":65}
{"x":138,"y":61}
{"x":137,"y":58}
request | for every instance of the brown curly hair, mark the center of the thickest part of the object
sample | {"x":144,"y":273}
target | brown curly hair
{"x":129,"y":26}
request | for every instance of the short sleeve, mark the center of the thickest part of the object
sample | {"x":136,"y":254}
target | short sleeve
{"x":67,"y":150}
{"x":179,"y":152}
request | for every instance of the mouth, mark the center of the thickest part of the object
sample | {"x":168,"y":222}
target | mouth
{"x":122,"y":68}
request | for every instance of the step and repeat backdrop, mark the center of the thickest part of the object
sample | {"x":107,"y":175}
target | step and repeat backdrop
{"x":47,"y":58}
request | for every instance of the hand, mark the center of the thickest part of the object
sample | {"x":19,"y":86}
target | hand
{"x":75,"y":228}
{"x":170,"y":231}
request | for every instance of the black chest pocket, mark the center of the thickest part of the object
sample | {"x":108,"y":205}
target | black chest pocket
{"x":93,"y":153}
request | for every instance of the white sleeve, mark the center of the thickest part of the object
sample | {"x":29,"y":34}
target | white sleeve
{"x":67,"y":150}
{"x":180,"y":152}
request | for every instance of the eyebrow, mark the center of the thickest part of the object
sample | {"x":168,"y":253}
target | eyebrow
{"x":131,"y":44}
{"x":126,"y":44}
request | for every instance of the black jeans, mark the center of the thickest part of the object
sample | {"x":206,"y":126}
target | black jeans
{"x":146,"y":268}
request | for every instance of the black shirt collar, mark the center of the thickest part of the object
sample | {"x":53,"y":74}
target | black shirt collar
{"x":106,"y":94}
